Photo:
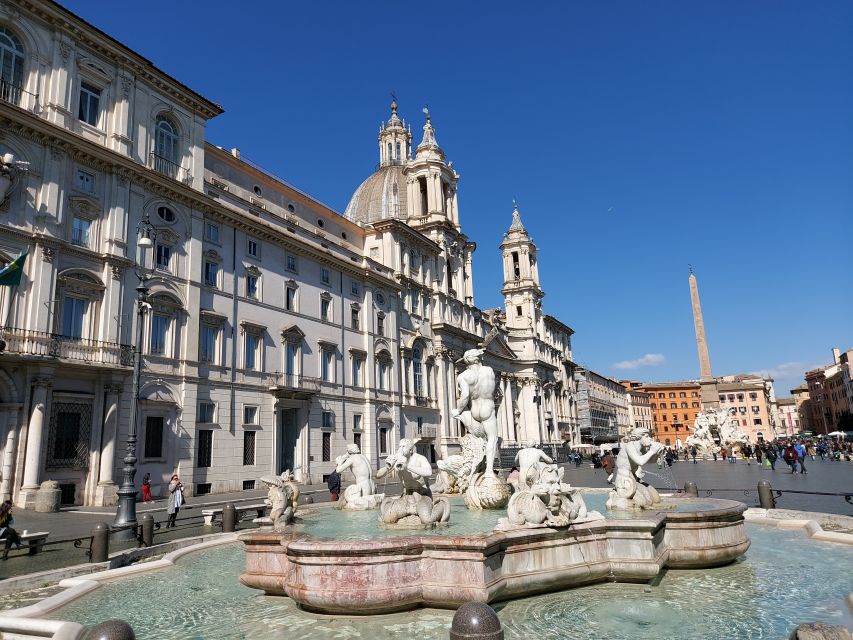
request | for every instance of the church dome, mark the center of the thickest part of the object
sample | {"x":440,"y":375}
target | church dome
{"x":381,"y":196}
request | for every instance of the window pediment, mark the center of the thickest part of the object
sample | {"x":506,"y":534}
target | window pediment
{"x":247,"y":326}
{"x":252,"y":270}
{"x":94,"y":70}
{"x":325,"y":296}
{"x":161,"y":303}
{"x":86,"y":207}
{"x":357,"y":353}
{"x":212,"y":317}
{"x":327,"y":345}
{"x":211,"y":254}
{"x":292,"y":334}
{"x":167,"y":236}
{"x":81,"y":283}
{"x":355,"y":306}
{"x":292,"y":284}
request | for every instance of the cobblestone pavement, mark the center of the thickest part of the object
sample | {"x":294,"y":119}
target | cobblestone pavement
{"x":728,"y":480}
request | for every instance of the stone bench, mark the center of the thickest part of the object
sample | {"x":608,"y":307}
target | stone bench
{"x":210,"y":515}
{"x":34,"y":540}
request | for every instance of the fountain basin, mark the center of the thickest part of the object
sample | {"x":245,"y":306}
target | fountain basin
{"x":398,"y":573}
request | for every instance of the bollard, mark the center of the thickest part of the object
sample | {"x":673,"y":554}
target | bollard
{"x":110,"y":630}
{"x":691,"y":489}
{"x":765,"y":495}
{"x":147,"y":530}
{"x":229,"y":518}
{"x":100,"y":551}
{"x":476,"y":621}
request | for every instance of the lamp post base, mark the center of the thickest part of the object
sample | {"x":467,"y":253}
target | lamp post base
{"x":125,"y":524}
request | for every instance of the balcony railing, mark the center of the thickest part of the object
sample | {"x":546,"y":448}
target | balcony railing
{"x":293,"y":382}
{"x":427,"y":431}
{"x":421,"y":401}
{"x":16,"y":95}
{"x":169,"y":168}
{"x":53,"y":345}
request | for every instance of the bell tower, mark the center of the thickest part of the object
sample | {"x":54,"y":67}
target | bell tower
{"x":395,"y":140}
{"x":521,"y":290}
{"x":431,"y":182}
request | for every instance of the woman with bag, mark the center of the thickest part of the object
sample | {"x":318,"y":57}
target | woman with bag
{"x":176,"y":500}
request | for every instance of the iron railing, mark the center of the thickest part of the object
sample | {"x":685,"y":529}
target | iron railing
{"x":53,"y":345}
{"x":169,"y":168}
{"x":293,"y":381}
{"x":13,"y":94}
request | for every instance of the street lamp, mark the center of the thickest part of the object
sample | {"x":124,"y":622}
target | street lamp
{"x":125,"y":520}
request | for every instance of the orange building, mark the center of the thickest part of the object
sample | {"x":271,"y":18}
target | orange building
{"x":674,"y":408}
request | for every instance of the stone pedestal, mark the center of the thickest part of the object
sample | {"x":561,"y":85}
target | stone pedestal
{"x":48,"y":497}
{"x":105,"y":494}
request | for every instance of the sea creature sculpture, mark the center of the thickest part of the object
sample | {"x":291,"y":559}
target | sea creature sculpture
{"x":416,"y":506}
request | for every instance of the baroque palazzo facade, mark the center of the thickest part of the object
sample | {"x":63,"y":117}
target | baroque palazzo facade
{"x":276,"y":330}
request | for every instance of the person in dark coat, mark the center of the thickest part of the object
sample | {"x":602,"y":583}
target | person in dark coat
{"x":334,"y":484}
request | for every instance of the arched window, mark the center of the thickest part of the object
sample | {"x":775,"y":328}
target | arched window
{"x":166,"y":141}
{"x":389,"y":153}
{"x":417,"y":367}
{"x":11,"y":66}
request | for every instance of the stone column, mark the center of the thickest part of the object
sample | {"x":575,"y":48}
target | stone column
{"x":35,"y":439}
{"x":105,"y":494}
{"x":10,"y":451}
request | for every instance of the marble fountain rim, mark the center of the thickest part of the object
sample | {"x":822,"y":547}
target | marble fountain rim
{"x":13,"y":620}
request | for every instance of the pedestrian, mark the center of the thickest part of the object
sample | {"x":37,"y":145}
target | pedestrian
{"x":334,"y":484}
{"x":608,"y":462}
{"x":771,"y":458}
{"x":747,"y":453}
{"x":800,"y":448}
{"x":693,"y":453}
{"x":790,"y":456}
{"x":724,"y":452}
{"x":810,"y":449}
{"x":146,"y":488}
{"x":715,"y":454}
{"x":176,"y":500}
{"x":7,"y":533}
{"x":759,"y":452}
{"x":668,"y":456}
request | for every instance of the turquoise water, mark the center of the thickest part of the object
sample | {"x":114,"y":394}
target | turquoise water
{"x":784,"y":579}
{"x":363,"y":525}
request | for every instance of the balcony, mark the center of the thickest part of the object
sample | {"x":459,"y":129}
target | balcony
{"x":169,"y":168}
{"x":15,"y":94}
{"x":292,"y":386}
{"x":38,"y":344}
{"x":427,"y":431}
{"x":421,"y":401}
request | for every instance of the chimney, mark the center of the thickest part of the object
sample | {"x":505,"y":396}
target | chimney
{"x":836,"y":355}
{"x":235,"y":152}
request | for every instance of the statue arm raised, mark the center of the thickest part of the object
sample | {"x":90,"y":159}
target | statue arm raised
{"x":420,"y":465}
{"x":344,"y":465}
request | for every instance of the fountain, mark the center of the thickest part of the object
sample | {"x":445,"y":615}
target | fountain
{"x":629,"y":490}
{"x":714,"y":429}
{"x":415,"y":508}
{"x":362,"y":494}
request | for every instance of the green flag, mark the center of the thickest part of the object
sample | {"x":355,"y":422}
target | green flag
{"x":10,"y":275}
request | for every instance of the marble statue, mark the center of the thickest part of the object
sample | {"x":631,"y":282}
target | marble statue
{"x":415,"y":507}
{"x":476,"y":410}
{"x":283,"y":499}
{"x":7,"y":173}
{"x":361,"y":495}
{"x":546,"y":501}
{"x":629,"y":491}
{"x":714,"y":429}
{"x":454,"y":472}
{"x":525,"y":460}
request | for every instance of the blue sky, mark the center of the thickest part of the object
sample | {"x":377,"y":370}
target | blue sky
{"x":638,"y":138}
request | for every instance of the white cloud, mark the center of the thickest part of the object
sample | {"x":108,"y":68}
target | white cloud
{"x":648,"y":360}
{"x":787,"y":371}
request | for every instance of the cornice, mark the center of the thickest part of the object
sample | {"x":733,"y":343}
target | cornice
{"x":93,"y":38}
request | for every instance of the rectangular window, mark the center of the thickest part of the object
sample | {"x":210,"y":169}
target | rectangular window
{"x":206,"y":412}
{"x":291,"y":263}
{"x":250,"y":414}
{"x":328,"y":420}
{"x":383,"y":376}
{"x":328,"y":365}
{"x":85,"y":181}
{"x":164,"y":257}
{"x":159,"y":331}
{"x":380,"y":325}
{"x":290,"y":359}
{"x":325,"y":276}
{"x":354,"y":324}
{"x":356,"y":422}
{"x":415,"y":297}
{"x":756,"y":421}
{"x":327,"y":446}
{"x":356,"y":439}
{"x":211,"y":232}
{"x":325,"y":309}
{"x":251,"y":355}
{"x":753,"y":396}
{"x":154,"y":437}
{"x":207,"y":348}
{"x":252,"y":248}
{"x":290,"y":299}
{"x":354,"y":287}
{"x":518,"y":311}
{"x":90,"y":98}
{"x":211,"y":273}
{"x":383,"y":440}
{"x":73,"y":314}
{"x":80,"y":231}
{"x":248,"y":485}
{"x":252,"y":287}
{"x":425,"y":306}
{"x":357,"y":366}
{"x":249,"y":448}
{"x":204,"y":453}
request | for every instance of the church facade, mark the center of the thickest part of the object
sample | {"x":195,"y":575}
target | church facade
{"x":275,"y":329}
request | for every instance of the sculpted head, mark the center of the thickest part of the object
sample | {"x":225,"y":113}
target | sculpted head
{"x":353,"y":449}
{"x":472,"y":356}
{"x":404,"y":452}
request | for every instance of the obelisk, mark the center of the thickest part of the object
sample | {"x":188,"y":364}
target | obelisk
{"x":707,"y":383}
